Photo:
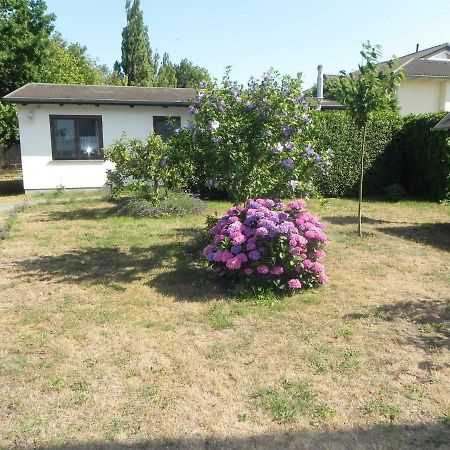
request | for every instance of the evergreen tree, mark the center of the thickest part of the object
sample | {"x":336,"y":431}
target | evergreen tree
{"x":137,"y":61}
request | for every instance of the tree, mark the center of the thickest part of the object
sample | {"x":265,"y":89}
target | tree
{"x":137,"y":60}
{"x":26,"y":29}
{"x":370,"y":89}
{"x":190,"y":76}
{"x":70,"y":64}
{"x":167,"y":75}
{"x":331,"y":86}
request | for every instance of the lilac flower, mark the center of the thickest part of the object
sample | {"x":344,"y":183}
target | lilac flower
{"x":235,"y":94}
{"x":164,"y":162}
{"x":209,"y":183}
{"x":177,"y":130}
{"x":289,"y":145}
{"x":203,"y":84}
{"x":250,"y":105}
{"x":213,"y":125}
{"x":289,"y":163}
{"x":318,"y":159}
{"x":191,"y":125}
{"x":193,"y":110}
{"x":287,"y":130}
{"x":309,"y":150}
{"x":278,"y":148}
{"x":221,"y":105}
{"x":200,"y":95}
{"x":306,"y":118}
{"x":294,"y":184}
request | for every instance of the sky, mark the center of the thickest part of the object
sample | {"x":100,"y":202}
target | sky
{"x":254,"y":35}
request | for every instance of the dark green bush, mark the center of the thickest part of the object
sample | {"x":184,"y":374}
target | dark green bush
{"x":173,"y":204}
{"x":426,"y":157}
{"x":336,"y":131}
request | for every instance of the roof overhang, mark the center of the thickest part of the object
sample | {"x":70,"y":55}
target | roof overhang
{"x":75,"y":101}
{"x":443,"y":124}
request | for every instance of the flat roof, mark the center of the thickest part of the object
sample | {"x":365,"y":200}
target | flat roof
{"x":101,"y":95}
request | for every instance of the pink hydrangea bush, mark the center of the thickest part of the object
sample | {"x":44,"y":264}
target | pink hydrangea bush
{"x":266,"y":243}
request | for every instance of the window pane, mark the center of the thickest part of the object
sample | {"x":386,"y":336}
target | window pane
{"x":89,"y":138}
{"x":65,"y":138}
{"x":165,"y":126}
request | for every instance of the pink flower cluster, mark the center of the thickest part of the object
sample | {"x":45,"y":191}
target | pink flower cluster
{"x":266,"y":242}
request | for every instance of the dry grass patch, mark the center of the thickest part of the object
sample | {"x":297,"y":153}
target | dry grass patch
{"x":112,"y":336}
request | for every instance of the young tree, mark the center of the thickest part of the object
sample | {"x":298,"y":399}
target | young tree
{"x":370,"y":89}
{"x":137,"y":60}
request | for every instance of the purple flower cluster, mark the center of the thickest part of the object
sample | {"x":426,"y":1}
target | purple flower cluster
{"x":268,"y":243}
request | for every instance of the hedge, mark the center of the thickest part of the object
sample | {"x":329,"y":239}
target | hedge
{"x":399,"y":150}
{"x":426,"y":157}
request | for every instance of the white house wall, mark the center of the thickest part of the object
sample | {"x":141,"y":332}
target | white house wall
{"x":419,"y":95}
{"x":40,"y":171}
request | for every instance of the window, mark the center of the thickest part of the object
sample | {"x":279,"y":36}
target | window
{"x":76,"y":137}
{"x":165,"y":126}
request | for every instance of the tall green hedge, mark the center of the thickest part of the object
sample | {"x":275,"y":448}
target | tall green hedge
{"x":426,"y":157}
{"x":335,"y":130}
{"x":399,"y":150}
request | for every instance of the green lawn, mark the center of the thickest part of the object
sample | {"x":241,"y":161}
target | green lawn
{"x":112,"y":336}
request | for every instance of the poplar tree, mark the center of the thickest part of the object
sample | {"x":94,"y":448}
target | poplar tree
{"x":137,"y":60}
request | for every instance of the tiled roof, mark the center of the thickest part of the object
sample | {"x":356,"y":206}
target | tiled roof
{"x":113,"y":95}
{"x":443,"y":124}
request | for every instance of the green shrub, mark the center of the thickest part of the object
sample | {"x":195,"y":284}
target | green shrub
{"x":426,"y":157}
{"x":336,"y":130}
{"x":249,"y":142}
{"x":141,"y":168}
{"x":173,"y":204}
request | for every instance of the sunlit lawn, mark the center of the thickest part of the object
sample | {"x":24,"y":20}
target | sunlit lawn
{"x":112,"y":336}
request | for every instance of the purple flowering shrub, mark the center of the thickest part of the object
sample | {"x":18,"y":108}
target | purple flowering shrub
{"x":268,"y":244}
{"x":249,"y":141}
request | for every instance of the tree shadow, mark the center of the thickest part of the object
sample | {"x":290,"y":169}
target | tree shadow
{"x":380,"y":436}
{"x":433,"y":234}
{"x":174,"y":269}
{"x":84,"y":214}
{"x":11,"y":187}
{"x":353,"y":220}
{"x":432,"y":316}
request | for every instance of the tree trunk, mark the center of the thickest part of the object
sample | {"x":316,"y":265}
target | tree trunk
{"x":361,"y":178}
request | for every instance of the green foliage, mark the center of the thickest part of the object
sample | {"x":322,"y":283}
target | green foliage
{"x":426,"y":157}
{"x":9,"y":125}
{"x":141,"y":168}
{"x":25,"y":29}
{"x":137,"y":59}
{"x":331,"y":88}
{"x":249,"y":142}
{"x":70,"y":64}
{"x":172,"y":204}
{"x":166,"y":75}
{"x":370,"y":90}
{"x":336,"y":130}
{"x":387,"y":410}
{"x":190,"y":76}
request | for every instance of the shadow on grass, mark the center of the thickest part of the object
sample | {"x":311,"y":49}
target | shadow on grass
{"x":353,"y":220}
{"x":84,"y":214}
{"x":11,"y":187}
{"x":434,"y":234}
{"x":173,"y":269}
{"x":431,"y":316}
{"x":386,"y":437}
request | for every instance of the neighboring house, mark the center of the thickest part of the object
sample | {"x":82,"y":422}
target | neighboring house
{"x":426,"y":87}
{"x":64,"y":128}
{"x":443,"y":124}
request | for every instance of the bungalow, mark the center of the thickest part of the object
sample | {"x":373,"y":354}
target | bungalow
{"x":64,"y":128}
